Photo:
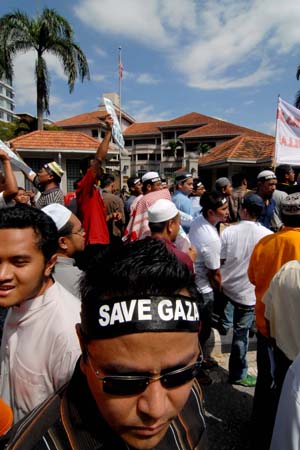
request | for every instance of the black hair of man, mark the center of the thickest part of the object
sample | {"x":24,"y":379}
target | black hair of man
{"x":281,"y":171}
{"x":106,"y":180}
{"x":24,"y":216}
{"x":237,"y":179}
{"x":158,"y":227}
{"x":291,"y":221}
{"x":211,"y":200}
{"x":144,"y":267}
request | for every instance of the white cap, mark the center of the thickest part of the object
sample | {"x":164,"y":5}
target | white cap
{"x":161,"y":211}
{"x":58,"y":213}
{"x":267,"y":175}
{"x":150,"y":176}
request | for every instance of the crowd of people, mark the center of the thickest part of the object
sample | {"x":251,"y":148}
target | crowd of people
{"x":108,"y":300}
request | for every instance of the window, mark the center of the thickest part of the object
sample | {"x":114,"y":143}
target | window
{"x":158,"y":157}
{"x":142,"y":157}
{"x":148,"y":141}
{"x":152,"y":157}
{"x":95,"y":134}
{"x":73,"y":173}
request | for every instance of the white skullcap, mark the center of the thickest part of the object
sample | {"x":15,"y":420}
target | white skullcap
{"x":162,"y":210}
{"x":150,"y":176}
{"x":267,"y":175}
{"x":58,"y":213}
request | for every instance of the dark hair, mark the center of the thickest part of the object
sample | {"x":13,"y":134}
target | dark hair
{"x":20,"y":188}
{"x":66,"y":230}
{"x":132,"y":181}
{"x":106,"y":180}
{"x":238,"y":178}
{"x":157,"y":227}
{"x":211,"y":200}
{"x":24,"y":216}
{"x":281,"y":171}
{"x":144,"y":267}
{"x":291,"y":221}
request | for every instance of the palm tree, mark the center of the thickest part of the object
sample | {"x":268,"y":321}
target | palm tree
{"x":47,"y":33}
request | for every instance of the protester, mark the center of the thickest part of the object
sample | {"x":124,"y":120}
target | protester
{"x":224,"y":186}
{"x":184,"y":188}
{"x":8,"y":183}
{"x":204,"y":236}
{"x":268,"y":256}
{"x":286,"y":434}
{"x":138,"y":225}
{"x":237,"y":243}
{"x":282,"y":309}
{"x":23,"y":196}
{"x":198,"y":191}
{"x":70,"y":246}
{"x":133,"y":387}
{"x":239,"y":189}
{"x":286,"y":179}
{"x":6,"y":418}
{"x":39,"y":347}
{"x":266,"y":185}
{"x":135,"y":187}
{"x":114,"y":209}
{"x":164,"y":223}
{"x":90,"y":205}
{"x":47,"y":182}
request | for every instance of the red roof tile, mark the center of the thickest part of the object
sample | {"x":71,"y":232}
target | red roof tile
{"x":55,"y":140}
{"x":221,"y":128}
{"x":89,"y":118}
{"x":246,"y":148}
{"x":144,"y":128}
{"x":192,"y":118}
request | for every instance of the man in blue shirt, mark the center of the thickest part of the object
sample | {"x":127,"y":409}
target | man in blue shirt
{"x":266,"y":185}
{"x":184,"y":187}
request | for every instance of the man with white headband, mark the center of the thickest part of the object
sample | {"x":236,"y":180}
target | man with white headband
{"x":134,"y":386}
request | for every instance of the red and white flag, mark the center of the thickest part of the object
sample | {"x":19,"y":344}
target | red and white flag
{"x":287,"y":139}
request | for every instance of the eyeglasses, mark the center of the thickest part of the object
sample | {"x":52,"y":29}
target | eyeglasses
{"x":123,"y":385}
{"x":81,"y":231}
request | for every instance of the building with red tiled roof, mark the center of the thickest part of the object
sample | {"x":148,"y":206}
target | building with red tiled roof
{"x":206,"y":146}
{"x":151,"y":145}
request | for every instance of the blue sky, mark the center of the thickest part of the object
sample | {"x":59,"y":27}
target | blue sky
{"x":224,"y":58}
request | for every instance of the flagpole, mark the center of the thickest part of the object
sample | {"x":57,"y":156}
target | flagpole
{"x":274,"y":162}
{"x":120,"y":85}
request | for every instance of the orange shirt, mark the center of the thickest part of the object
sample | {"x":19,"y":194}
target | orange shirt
{"x":6,"y":417}
{"x":271,"y":252}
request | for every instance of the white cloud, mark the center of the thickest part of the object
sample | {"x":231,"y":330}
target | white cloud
{"x":144,"y":112}
{"x":213,"y":44}
{"x":147,"y":78}
{"x":100,"y":52}
{"x":98,"y":77}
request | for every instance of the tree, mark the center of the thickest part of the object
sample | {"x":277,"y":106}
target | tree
{"x":47,"y":33}
{"x":171,"y":148}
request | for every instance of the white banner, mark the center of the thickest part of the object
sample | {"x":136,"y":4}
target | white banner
{"x":116,"y":130}
{"x":16,"y":161}
{"x":287,"y":139}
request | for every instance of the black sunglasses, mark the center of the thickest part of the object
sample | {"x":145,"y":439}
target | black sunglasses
{"x":123,"y":385}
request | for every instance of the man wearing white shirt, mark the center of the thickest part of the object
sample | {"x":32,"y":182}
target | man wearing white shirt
{"x":237,"y":244}
{"x":39,"y":346}
{"x":204,"y":236}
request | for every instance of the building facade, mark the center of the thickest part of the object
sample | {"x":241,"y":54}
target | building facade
{"x":7,"y":103}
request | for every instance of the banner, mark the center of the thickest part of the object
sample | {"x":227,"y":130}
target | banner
{"x":116,"y":130}
{"x":16,"y":161}
{"x":287,"y":139}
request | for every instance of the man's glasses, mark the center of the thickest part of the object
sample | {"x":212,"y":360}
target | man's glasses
{"x":123,"y":385}
{"x":81,"y":231}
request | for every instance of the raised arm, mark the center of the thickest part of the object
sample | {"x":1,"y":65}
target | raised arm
{"x":104,"y":145}
{"x":11,"y":187}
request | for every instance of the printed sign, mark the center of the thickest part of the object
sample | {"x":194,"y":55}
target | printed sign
{"x":116,"y":130}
